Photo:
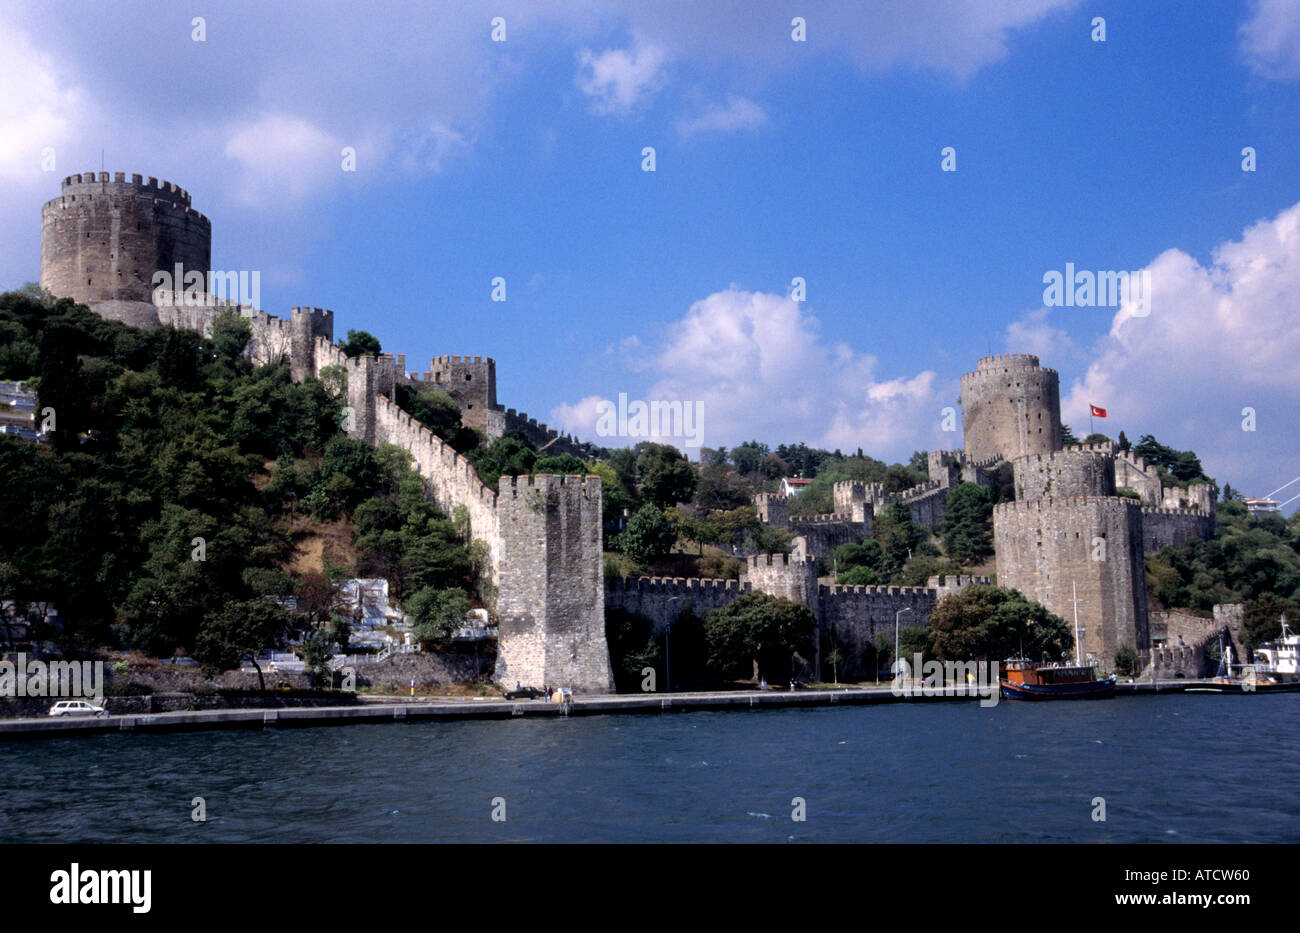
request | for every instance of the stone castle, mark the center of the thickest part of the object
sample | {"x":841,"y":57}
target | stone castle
{"x":104,"y":238}
{"x":1069,"y":534}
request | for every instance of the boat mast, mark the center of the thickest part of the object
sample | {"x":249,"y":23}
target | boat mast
{"x":1074,"y":588}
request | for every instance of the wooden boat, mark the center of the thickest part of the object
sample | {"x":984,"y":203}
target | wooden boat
{"x":1022,"y":679}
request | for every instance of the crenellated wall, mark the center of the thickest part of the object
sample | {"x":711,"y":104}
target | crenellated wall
{"x":773,"y":509}
{"x":663,"y":599}
{"x":547,"y":440}
{"x":850,"y":617}
{"x":853,"y":616}
{"x":1162,"y":528}
{"x":1045,"y":545}
{"x":471,"y":381}
{"x":1084,"y":470}
{"x":1132,"y":472}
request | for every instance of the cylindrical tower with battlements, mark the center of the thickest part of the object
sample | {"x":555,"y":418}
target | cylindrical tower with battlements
{"x":102,"y":241}
{"x":1010,"y":407}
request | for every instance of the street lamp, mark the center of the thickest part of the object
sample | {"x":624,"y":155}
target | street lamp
{"x":897,"y":616}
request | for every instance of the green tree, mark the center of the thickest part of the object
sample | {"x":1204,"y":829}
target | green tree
{"x":1263,"y":621}
{"x":898,"y":535}
{"x":985,"y":623}
{"x":649,"y":535}
{"x":561,"y":465}
{"x":361,"y":343}
{"x":436,"y":614}
{"x":230,"y":335}
{"x":241,"y":630}
{"x":760,"y":632}
{"x":1068,"y":438}
{"x":666,"y":477}
{"x":967,"y":523}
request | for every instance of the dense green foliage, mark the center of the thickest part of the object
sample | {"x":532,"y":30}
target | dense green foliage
{"x":967,"y":526}
{"x":438,"y":412}
{"x":143,"y":521}
{"x":1253,"y":559}
{"x":361,"y":343}
{"x":984,"y":623}
{"x":760,"y":632}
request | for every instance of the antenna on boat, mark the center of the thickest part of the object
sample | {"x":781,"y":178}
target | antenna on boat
{"x":1074,"y":588}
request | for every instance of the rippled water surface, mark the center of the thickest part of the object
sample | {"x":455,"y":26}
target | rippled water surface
{"x":1171,"y":769}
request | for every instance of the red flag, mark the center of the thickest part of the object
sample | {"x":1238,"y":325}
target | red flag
{"x":1097,"y":412}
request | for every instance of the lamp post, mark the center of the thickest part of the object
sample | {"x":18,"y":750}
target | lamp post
{"x":897,"y":616}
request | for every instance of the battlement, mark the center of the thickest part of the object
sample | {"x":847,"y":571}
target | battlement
{"x":445,"y":458}
{"x":1153,"y":510}
{"x":832,"y":518}
{"x":448,"y":360}
{"x":151,"y":186}
{"x":921,"y":489}
{"x":837,"y":589}
{"x":1106,"y":448}
{"x":958,"y":580}
{"x":684,"y":586}
{"x":1006,"y":359}
{"x":1139,"y":463}
{"x":1055,"y":502}
{"x":778,"y":560}
{"x":315,"y":313}
{"x":512,"y":486}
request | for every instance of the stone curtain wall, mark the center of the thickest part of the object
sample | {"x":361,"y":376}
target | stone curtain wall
{"x":853,"y":616}
{"x":663,"y":599}
{"x":850,"y":615}
{"x":1133,"y":473}
{"x":1162,"y":528}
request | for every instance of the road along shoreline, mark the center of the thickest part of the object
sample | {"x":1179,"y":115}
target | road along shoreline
{"x":373,"y":710}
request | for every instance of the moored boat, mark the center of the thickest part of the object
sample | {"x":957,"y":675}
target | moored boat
{"x":1022,"y":679}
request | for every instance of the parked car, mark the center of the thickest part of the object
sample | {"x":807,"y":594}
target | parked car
{"x":77,"y":708}
{"x":524,"y":693}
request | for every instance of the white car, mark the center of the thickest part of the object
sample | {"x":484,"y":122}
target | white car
{"x":77,"y":708}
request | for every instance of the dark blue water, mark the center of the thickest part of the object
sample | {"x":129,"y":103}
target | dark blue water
{"x":1171,"y":769}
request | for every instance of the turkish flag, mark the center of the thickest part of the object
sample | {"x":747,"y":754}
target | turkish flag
{"x":1097,"y":412}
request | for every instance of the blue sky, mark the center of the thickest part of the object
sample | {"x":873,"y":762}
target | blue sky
{"x":774,"y":159}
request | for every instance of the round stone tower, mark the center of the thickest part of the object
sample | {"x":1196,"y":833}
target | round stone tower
{"x":102,"y":241}
{"x":1010,"y":407}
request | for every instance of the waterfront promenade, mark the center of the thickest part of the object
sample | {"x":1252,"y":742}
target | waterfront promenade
{"x":391,"y":709}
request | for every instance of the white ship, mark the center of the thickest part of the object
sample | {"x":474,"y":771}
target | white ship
{"x":1280,"y":659}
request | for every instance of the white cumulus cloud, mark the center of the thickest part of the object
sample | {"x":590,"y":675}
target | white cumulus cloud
{"x":757,"y":364}
{"x":738,"y":113}
{"x":1219,"y":338}
{"x":619,"y":80}
{"x":1270,"y":39}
